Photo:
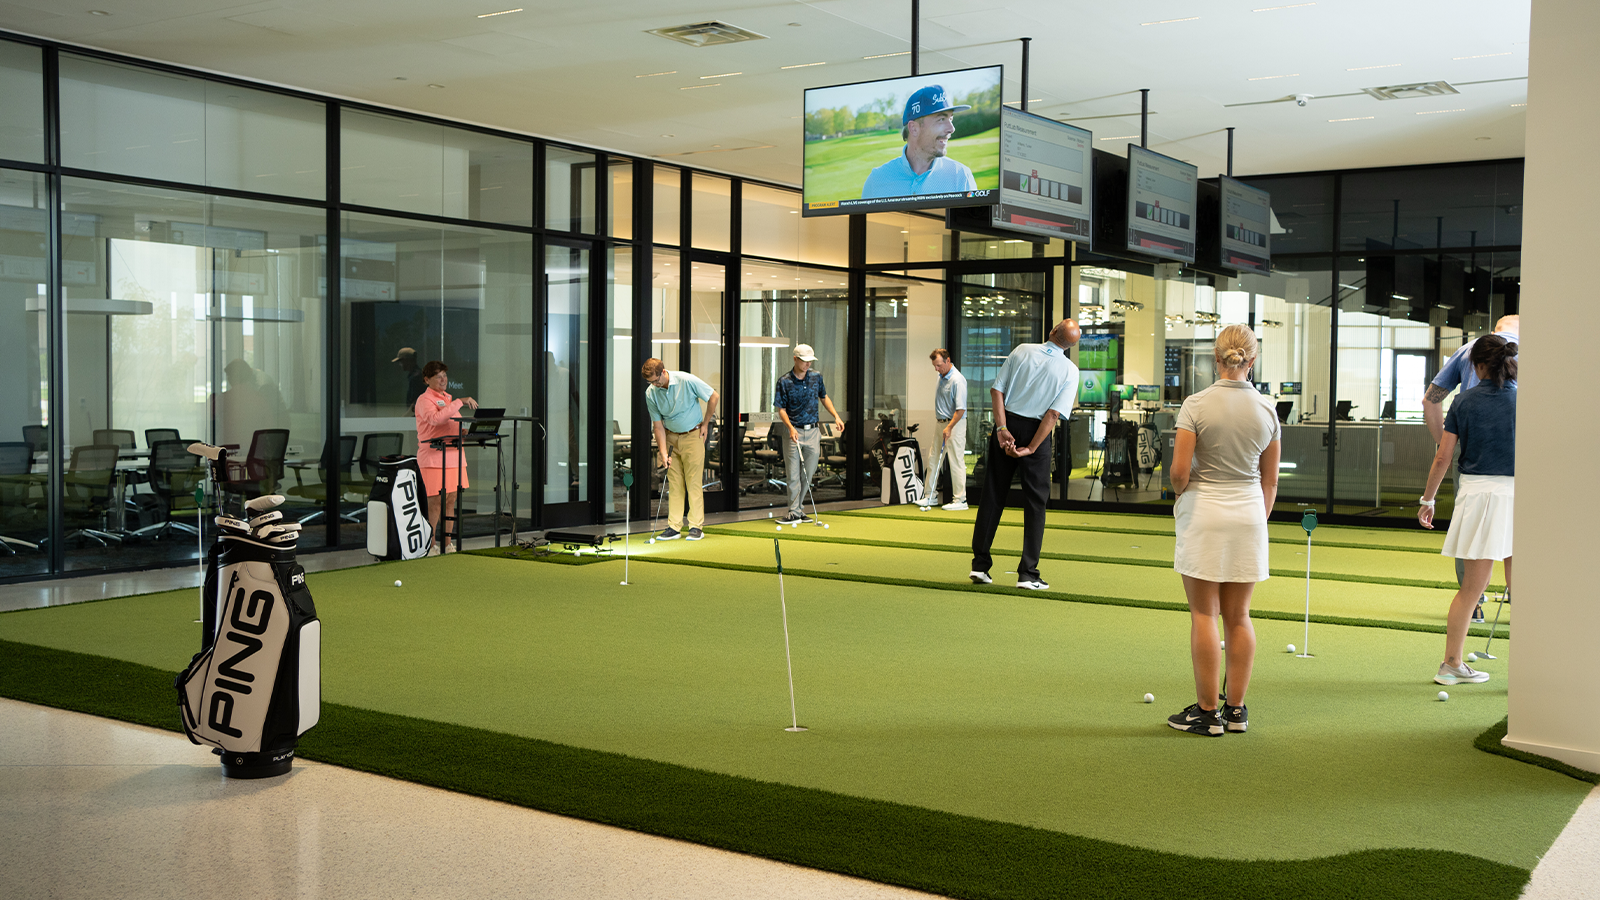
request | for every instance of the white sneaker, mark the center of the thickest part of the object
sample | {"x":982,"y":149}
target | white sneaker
{"x":955,"y":505}
{"x":1035,"y":585}
{"x":979,"y":577}
{"x":433,"y":549}
{"x":1464,"y":674}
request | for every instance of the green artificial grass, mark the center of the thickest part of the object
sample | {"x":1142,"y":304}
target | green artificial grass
{"x":1490,"y":742}
{"x":959,"y":856}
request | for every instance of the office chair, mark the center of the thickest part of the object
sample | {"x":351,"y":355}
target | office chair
{"x":174,"y":474}
{"x":88,"y":490}
{"x":769,"y":456}
{"x":262,"y":468}
{"x":153,"y":436}
{"x":338,"y":456}
{"x":16,"y":489}
{"x":374,"y":447}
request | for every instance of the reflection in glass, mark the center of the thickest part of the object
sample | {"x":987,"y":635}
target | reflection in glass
{"x":712,"y":206}
{"x":774,"y":228}
{"x":569,"y":190}
{"x":22,"y":114}
{"x":668,"y":204}
{"x":906,"y":237}
{"x":624,"y":375}
{"x":619,"y":195}
{"x":24,"y":466}
{"x":429,"y":168}
{"x":566,"y":368}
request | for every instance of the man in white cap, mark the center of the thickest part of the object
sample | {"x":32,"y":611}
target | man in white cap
{"x":795,"y":399}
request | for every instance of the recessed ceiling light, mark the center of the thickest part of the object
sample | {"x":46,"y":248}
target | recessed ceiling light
{"x":1519,"y":104}
{"x":1480,"y":139}
{"x":1483,"y":55}
{"x":696,"y":87}
{"x":1170,"y":21}
{"x":887,"y":55}
{"x":1384,"y":66}
{"x":440,"y":86}
{"x":1353,"y":119}
{"x":654,"y":74}
{"x":399,"y":78}
{"x":503,"y":12}
{"x":98,"y":12}
{"x":1433,"y":112}
{"x":1270,"y":77}
{"x":804,"y":65}
{"x":669,"y":135}
{"x":1120,"y":137}
{"x":1019,"y":102}
{"x":723,"y":75}
{"x":1276,"y":8}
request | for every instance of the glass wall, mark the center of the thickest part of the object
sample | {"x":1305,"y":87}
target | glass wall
{"x":25,"y":504}
{"x":566,"y":371}
{"x":22,"y":115}
{"x":422,"y":167}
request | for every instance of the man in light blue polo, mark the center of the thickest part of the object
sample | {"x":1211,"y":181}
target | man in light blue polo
{"x":1035,"y":388}
{"x":680,"y":426}
{"x":923,"y":167}
{"x":950,"y":408}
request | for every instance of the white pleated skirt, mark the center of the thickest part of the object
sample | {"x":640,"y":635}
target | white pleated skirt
{"x":1222,"y":532}
{"x":1480,"y":524}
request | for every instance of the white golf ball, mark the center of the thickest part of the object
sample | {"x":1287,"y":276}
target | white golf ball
{"x":824,"y":526}
{"x":1443,"y":696}
{"x":1290,"y":649}
{"x":397,"y":582}
{"x":795,"y":525}
{"x":1472,"y":657}
{"x":652,"y":540}
{"x":1224,"y":645}
{"x":1149,"y":698}
{"x":780,"y":528}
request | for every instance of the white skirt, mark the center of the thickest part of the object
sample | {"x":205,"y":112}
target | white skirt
{"x":1480,"y":525}
{"x":1222,"y":532}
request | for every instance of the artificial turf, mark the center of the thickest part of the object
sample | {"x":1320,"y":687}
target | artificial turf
{"x":974,"y":743}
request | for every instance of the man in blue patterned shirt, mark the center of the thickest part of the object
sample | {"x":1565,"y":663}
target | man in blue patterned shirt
{"x":795,"y":399}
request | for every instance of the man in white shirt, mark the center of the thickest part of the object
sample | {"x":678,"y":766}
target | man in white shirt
{"x":950,"y":408}
{"x":1035,"y":388}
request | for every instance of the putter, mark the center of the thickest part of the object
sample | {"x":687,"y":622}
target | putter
{"x":800,"y":469}
{"x":662,"y":499}
{"x":1485,"y":654}
{"x":794,"y":718}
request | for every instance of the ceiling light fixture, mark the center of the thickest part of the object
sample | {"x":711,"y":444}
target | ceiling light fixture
{"x":696,"y":87}
{"x":1019,"y":102}
{"x":1170,"y":21}
{"x":503,"y":12}
{"x":723,"y":75}
{"x":439,"y":86}
{"x":804,"y":65}
{"x":1434,"y":112}
{"x":1120,"y":137}
{"x":1519,"y":104}
{"x":1353,"y":119}
{"x":1276,"y":8}
{"x":1270,"y":77}
{"x":654,"y":74}
{"x":1482,"y":55}
{"x":887,"y":55}
{"x":705,"y":34}
{"x":1384,"y":66}
{"x":98,"y":12}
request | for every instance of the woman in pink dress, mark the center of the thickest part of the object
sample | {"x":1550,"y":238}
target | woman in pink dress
{"x":436,"y":412}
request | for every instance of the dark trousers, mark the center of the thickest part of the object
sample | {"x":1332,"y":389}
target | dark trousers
{"x":999,"y":470}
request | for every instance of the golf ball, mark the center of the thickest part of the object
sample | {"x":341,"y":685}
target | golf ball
{"x":1224,"y":645}
{"x":824,"y":526}
{"x":1149,"y":698}
{"x":397,"y":582}
{"x":780,"y":528}
{"x":1443,"y":696}
{"x":1472,"y":657}
{"x":652,"y":540}
{"x":795,"y":525}
{"x":1290,"y":650}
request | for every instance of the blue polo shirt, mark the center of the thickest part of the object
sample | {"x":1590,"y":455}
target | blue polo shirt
{"x":799,"y":397}
{"x":677,"y":406}
{"x":1458,"y":370}
{"x":951,"y":395}
{"x":895,"y":179}
{"x":1036,"y":378}
{"x":1484,"y":419}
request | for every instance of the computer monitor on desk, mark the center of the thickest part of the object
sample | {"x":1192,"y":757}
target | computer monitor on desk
{"x":485,"y":423}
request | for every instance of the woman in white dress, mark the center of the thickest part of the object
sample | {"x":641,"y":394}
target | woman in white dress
{"x":1225,"y":473}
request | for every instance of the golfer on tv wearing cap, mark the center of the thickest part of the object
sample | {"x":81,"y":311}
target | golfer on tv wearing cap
{"x":923,"y":168}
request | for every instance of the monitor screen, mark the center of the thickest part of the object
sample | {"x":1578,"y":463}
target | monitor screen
{"x":1098,"y":351}
{"x":1125,"y":391}
{"x":919,"y":142}
{"x":1161,"y":203}
{"x":1246,"y":227}
{"x":1046,"y":177}
{"x":1149,"y":392}
{"x":1263,"y":387}
{"x":1094,"y":386}
{"x":1289,"y":388}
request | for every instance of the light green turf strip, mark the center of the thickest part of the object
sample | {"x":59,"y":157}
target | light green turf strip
{"x":946,"y":568}
{"x":1010,"y":707}
{"x":1330,"y":562}
{"x":1410,"y":540}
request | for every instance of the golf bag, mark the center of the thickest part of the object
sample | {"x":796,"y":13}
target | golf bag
{"x":256,"y":684}
{"x":1149,"y":447}
{"x":900,"y":460}
{"x":1121,"y":446}
{"x":397,"y":511}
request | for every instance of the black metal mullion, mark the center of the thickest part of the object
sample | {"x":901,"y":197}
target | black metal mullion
{"x":643,"y":346}
{"x":1333,"y":345}
{"x":728,"y":428}
{"x":333,"y":313}
{"x":55,"y":328}
{"x":856,"y":357}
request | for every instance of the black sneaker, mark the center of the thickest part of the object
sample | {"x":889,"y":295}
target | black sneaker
{"x":671,"y":534}
{"x":1477,"y":612}
{"x":791,"y":520}
{"x":1235,"y":718}
{"x":1197,"y":721}
{"x":696,"y":534}
{"x":806,"y":520}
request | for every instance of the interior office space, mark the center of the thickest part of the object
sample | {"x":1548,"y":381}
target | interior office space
{"x":164,"y":223}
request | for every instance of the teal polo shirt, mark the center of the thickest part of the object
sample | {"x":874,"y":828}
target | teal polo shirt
{"x":677,"y":406}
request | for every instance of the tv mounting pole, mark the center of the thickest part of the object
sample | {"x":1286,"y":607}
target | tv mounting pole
{"x":1230,"y":151}
{"x":1144,"y":118}
{"x":1025,"y":42}
{"x":916,"y":36}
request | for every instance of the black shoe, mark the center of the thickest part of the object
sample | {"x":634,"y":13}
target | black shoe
{"x":791,"y":520}
{"x":671,"y":534}
{"x":696,"y":534}
{"x":1235,"y":718}
{"x":1195,"y":720}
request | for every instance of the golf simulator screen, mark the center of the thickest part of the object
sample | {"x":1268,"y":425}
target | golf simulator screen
{"x":1161,"y":205}
{"x":1046,"y":177}
{"x":919,"y":142}
{"x":1246,"y":226}
{"x":1094,"y":386}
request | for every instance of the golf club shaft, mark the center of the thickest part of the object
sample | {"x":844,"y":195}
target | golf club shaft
{"x":1497,"y":609}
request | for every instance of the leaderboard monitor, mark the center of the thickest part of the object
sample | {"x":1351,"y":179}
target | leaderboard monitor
{"x":919,"y":142}
{"x":1161,"y":205}
{"x":1246,"y":226}
{"x":1046,"y":177}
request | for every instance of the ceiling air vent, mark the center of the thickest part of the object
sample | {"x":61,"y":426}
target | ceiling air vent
{"x":705,"y":34}
{"x":1411,"y":91}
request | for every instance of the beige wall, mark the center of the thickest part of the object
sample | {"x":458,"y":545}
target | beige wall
{"x":1554,"y":694}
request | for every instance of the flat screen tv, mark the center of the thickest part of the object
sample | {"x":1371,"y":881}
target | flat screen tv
{"x":1094,"y":386}
{"x":1150,"y":393}
{"x":1098,"y":351}
{"x":919,"y":142}
{"x":1162,"y":194}
{"x":1046,"y":177}
{"x":1289,"y":389}
{"x":1246,"y":227}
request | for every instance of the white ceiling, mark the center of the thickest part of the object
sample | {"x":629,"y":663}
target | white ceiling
{"x":570,"y":70}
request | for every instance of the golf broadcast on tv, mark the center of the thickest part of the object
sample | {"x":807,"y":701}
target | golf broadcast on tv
{"x":919,"y":142}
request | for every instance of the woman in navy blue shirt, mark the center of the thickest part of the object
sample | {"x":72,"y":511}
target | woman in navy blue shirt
{"x":1484,"y":422}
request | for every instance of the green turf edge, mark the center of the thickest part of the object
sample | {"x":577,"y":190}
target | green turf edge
{"x":1158,"y":532}
{"x":733,"y":531}
{"x":1283,"y":615}
{"x":1490,"y":742}
{"x":953,"y":855}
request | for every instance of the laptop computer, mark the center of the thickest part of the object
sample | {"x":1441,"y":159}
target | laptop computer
{"x":486,"y":422}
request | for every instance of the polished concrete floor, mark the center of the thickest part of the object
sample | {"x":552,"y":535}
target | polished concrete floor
{"x":92,"y":808}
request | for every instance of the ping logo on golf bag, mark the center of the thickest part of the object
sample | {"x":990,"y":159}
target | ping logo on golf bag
{"x":229,"y":688}
{"x":248,"y":620}
{"x":905,"y":475}
{"x":297,"y":578}
{"x":409,"y":519}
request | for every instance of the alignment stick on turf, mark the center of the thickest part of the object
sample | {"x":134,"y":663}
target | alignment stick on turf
{"x":627,"y":529}
{"x":1309,"y":523}
{"x":788,"y":657}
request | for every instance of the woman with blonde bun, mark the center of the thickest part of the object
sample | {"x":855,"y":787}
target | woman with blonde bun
{"x":1225,"y":474}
